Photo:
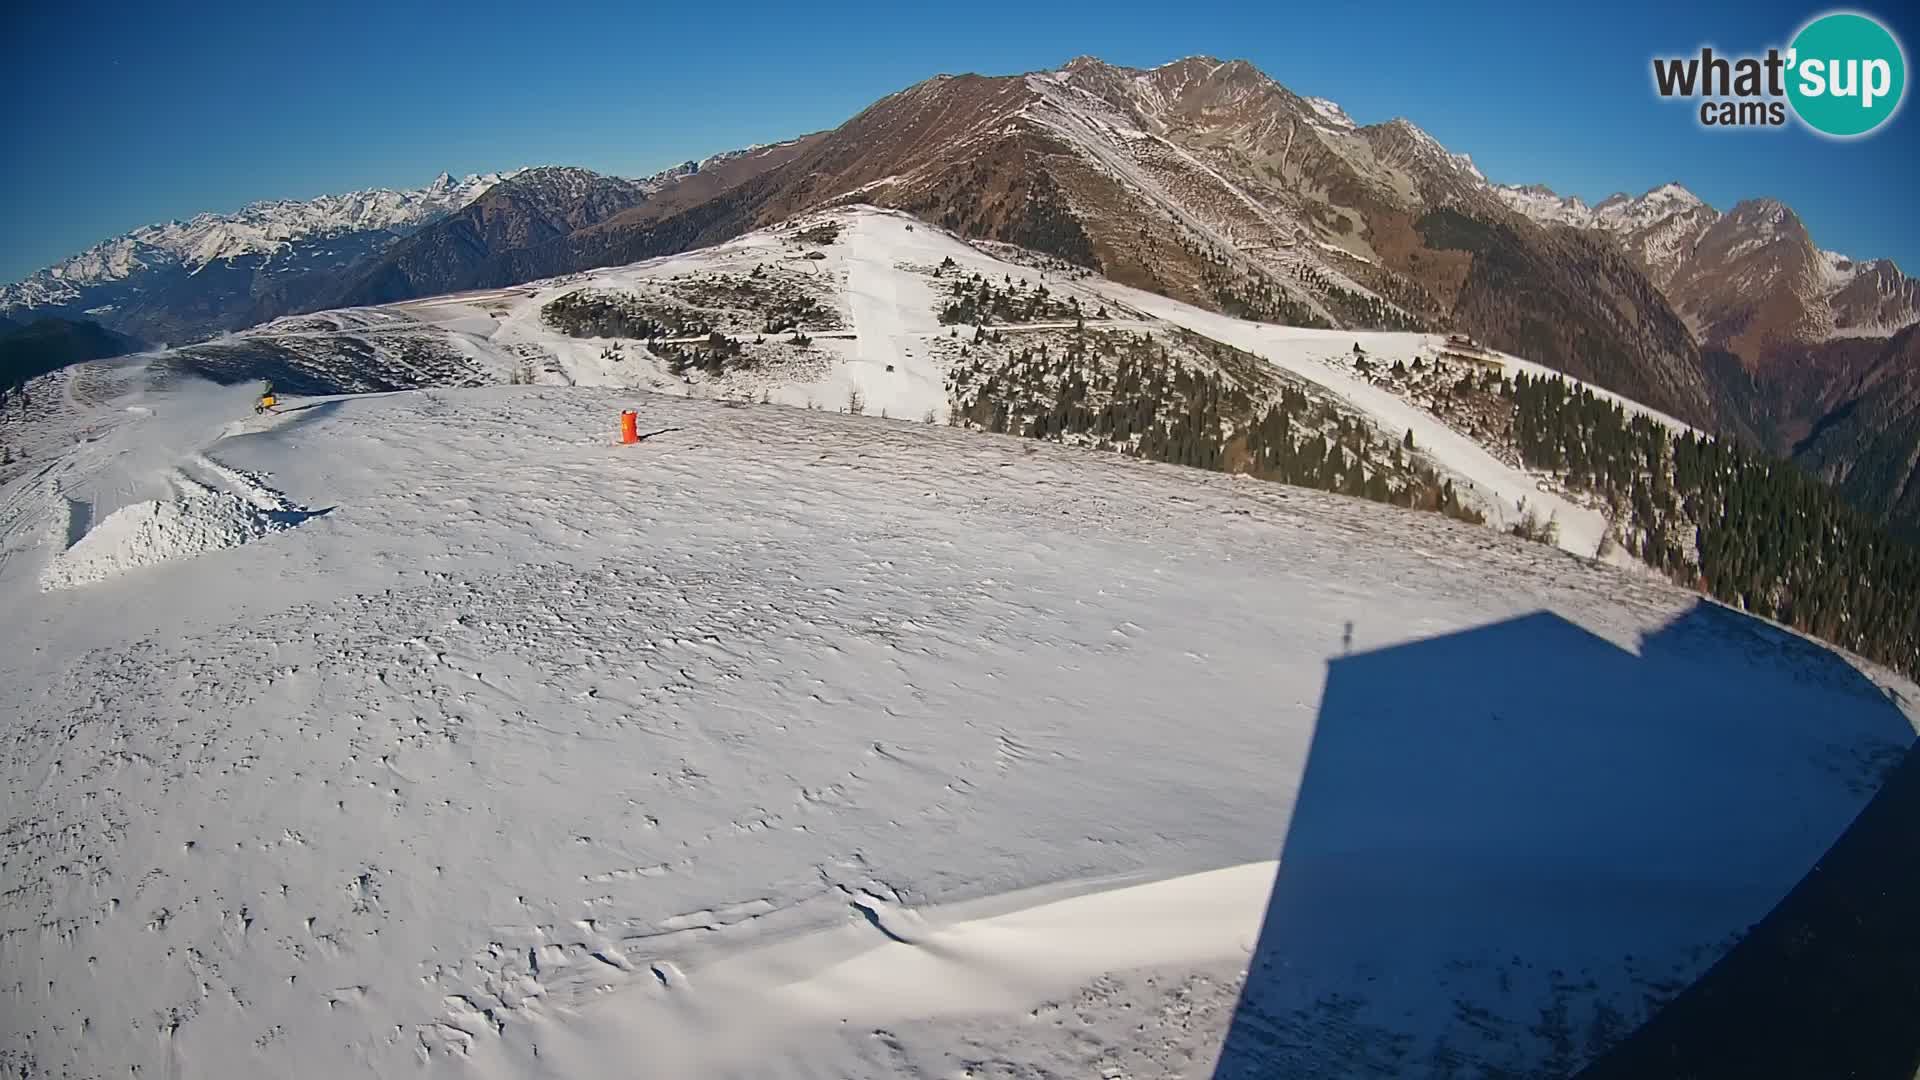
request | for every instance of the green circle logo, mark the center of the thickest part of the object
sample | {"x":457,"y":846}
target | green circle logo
{"x":1847,"y":74}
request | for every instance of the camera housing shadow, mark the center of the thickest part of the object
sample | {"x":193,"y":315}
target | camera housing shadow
{"x":1828,"y":984}
{"x":1514,"y":843}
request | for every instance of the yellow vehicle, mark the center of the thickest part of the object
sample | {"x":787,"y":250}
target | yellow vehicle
{"x":267,"y":401}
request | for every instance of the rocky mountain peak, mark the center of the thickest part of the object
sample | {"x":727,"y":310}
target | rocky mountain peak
{"x":1081,"y":64}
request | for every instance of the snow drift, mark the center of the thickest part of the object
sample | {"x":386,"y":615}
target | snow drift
{"x":154,"y":532}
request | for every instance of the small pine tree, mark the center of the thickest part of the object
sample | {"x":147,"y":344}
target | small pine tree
{"x":1407,"y":443}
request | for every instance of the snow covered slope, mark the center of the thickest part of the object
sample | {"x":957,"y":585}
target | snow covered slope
{"x":796,"y":744}
{"x":1501,"y":488}
{"x":871,"y":297}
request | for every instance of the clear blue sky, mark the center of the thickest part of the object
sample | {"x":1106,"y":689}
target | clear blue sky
{"x":121,"y":115}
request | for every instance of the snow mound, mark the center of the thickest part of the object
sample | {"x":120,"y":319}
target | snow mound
{"x":159,"y":531}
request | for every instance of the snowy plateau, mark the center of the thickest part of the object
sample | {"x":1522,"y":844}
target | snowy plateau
{"x":428,"y":731}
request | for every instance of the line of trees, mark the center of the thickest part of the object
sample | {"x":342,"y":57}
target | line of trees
{"x":978,"y":300}
{"x":1753,"y":531}
{"x":587,"y":313}
{"x":1229,"y":412}
{"x":1261,"y":301}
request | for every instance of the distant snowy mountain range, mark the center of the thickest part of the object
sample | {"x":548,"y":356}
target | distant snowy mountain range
{"x":267,"y":229}
{"x":185,"y":280}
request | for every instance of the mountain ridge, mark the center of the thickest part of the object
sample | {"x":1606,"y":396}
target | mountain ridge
{"x":224,"y":270}
{"x":1665,"y":227}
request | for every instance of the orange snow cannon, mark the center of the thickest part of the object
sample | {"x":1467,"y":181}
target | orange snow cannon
{"x":629,"y":426}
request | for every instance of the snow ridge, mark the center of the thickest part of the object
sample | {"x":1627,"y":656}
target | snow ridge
{"x":1538,"y":202}
{"x":1332,"y":113}
{"x":1664,"y":227}
{"x":1619,"y":212}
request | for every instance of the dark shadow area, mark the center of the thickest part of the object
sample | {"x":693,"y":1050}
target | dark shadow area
{"x":79,"y":519}
{"x":1513,"y":844}
{"x":303,"y":413}
{"x":1827,"y":985}
{"x":291,"y":518}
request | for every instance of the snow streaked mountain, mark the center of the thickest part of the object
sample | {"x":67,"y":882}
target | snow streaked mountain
{"x":1202,"y":180}
{"x":215,"y":272}
{"x":1659,"y":228}
{"x":1718,"y":269}
{"x":1331,"y":112}
{"x":1540,"y":203}
{"x":267,"y":229}
{"x":1209,"y":182}
{"x":1623,"y":214}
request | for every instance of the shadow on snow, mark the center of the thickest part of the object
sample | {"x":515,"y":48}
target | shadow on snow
{"x":1513,"y":844}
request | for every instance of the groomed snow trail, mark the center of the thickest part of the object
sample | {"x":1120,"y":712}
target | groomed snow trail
{"x":1496,"y":485}
{"x":795,"y":744}
{"x":893,"y":314}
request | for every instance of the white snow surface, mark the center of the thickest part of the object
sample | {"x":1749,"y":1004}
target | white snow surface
{"x":795,"y":744}
{"x":154,"y":532}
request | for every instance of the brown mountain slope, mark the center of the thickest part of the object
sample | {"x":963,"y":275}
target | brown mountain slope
{"x":1868,"y":445}
{"x":536,"y":210}
{"x":1209,"y":182}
